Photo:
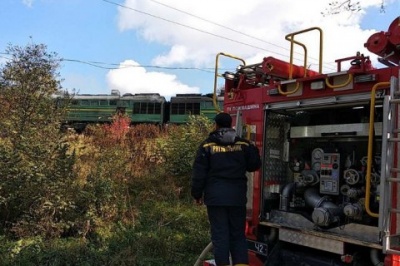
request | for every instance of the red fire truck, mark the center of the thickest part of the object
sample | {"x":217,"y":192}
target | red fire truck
{"x":328,"y":192}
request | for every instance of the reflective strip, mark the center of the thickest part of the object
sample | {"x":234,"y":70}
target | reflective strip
{"x":236,"y":143}
{"x":209,"y":144}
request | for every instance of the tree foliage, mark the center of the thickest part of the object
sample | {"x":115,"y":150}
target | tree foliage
{"x":180,"y":147}
{"x":27,"y":82}
{"x":36,"y":176}
{"x":337,"y":7}
{"x":114,"y":189}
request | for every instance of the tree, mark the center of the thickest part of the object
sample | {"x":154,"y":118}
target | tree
{"x":336,"y":7}
{"x":27,"y":83}
{"x":35,"y":167}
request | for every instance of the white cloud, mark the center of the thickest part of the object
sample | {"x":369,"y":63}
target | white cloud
{"x":130,"y":77}
{"x":268,"y":20}
{"x":177,"y":55}
{"x":251,"y":30}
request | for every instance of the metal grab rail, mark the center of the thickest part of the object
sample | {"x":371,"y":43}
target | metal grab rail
{"x":369,"y":154}
{"x":290,"y":38}
{"x":327,"y":82}
{"x":288,"y":92}
{"x":216,"y":75}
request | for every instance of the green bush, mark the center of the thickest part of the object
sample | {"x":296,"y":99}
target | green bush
{"x":179,"y":149}
{"x":36,"y":172}
{"x":99,"y":200}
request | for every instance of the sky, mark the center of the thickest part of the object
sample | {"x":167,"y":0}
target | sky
{"x":170,"y":46}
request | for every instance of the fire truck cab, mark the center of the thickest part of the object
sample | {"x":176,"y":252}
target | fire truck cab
{"x":328,"y":191}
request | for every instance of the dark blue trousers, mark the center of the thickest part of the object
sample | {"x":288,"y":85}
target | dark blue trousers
{"x":228,"y":234}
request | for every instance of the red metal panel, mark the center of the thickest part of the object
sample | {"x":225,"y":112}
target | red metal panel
{"x":394,"y":32}
{"x":279,"y":68}
{"x":392,"y":260}
{"x":254,"y":260}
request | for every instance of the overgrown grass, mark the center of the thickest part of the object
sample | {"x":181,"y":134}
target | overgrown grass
{"x":131,"y":202}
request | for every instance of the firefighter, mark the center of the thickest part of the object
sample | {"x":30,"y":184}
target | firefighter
{"x":219,"y":178}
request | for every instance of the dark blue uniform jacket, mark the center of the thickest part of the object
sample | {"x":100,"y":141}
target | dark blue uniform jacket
{"x":219,"y":169}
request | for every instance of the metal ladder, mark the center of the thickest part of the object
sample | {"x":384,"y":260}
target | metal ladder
{"x":389,"y":211}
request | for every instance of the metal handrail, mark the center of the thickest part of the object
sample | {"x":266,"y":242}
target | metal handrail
{"x":216,"y":75}
{"x":378,"y":85}
{"x":290,"y":38}
{"x":350,"y":78}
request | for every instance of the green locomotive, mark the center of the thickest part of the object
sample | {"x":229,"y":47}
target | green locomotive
{"x":84,"y":109}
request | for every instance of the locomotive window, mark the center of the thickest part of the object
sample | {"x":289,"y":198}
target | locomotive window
{"x":85,"y":102}
{"x":157,"y":108}
{"x":189,"y":108}
{"x":193,"y":108}
{"x":113,"y":102}
{"x":136,"y":108}
{"x":150,"y":108}
{"x":94,"y":103}
{"x":178,"y":108}
{"x":103,"y":102}
{"x":196,"y":109}
{"x":174,"y":108}
{"x":74,"y":102}
{"x":181,"y":109}
{"x":143,"y":108}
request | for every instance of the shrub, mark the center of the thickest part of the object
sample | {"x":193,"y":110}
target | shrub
{"x":124,"y":199}
{"x":179,"y":149}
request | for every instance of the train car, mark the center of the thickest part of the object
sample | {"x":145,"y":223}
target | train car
{"x":84,"y":109}
{"x":183,"y":105}
{"x":146,"y":107}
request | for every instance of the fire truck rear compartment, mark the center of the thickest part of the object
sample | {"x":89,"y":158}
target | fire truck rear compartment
{"x":314,"y":186}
